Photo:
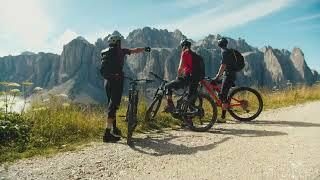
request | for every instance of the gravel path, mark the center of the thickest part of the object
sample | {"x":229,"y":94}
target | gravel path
{"x":281,"y":144}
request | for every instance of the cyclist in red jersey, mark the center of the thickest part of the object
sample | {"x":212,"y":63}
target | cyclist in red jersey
{"x":184,"y":75}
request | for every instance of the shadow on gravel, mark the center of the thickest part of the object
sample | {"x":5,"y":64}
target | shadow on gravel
{"x":281,"y":123}
{"x":247,"y":132}
{"x":162,"y":146}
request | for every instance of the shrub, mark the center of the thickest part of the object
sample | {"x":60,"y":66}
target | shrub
{"x":14,"y":132}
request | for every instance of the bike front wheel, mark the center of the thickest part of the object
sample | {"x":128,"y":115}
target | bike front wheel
{"x":245,"y":104}
{"x":132,"y":117}
{"x":201,"y":116}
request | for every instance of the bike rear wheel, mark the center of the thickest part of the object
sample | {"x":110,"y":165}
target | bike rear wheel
{"x":246,"y":104}
{"x":153,"y":108}
{"x":203,"y":114}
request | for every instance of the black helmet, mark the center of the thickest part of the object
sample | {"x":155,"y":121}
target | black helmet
{"x":222,"y":42}
{"x":185,"y":42}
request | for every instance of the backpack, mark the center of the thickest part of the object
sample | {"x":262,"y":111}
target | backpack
{"x":109,"y":64}
{"x":198,"y":67}
{"x":239,"y":65}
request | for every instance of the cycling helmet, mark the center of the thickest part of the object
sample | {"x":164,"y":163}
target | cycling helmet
{"x":114,"y":39}
{"x":185,"y":42}
{"x":222,"y":42}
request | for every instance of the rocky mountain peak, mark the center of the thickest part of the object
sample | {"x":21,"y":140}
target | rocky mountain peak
{"x":80,"y":39}
{"x":177,"y":33}
{"x":27,"y":53}
{"x":297,"y":55}
{"x":74,"y":55}
{"x":240,"y":44}
{"x":211,"y":42}
{"x":297,"y":51}
{"x":265,"y":49}
{"x":158,"y":38}
{"x":316,"y":75}
{"x":297,"y":58}
{"x":117,"y":33}
{"x":101,"y":44}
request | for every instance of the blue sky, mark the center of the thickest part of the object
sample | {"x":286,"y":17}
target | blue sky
{"x":46,"y":25}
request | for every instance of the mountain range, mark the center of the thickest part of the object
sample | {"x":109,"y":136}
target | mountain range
{"x":75,"y":70}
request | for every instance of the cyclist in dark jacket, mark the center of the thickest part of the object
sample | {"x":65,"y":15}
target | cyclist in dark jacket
{"x":229,"y":75}
{"x":114,"y":87}
{"x":184,"y":75}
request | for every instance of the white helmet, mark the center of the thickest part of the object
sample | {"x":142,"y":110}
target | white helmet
{"x":114,"y":39}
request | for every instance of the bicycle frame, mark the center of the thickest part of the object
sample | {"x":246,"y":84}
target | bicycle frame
{"x":213,"y":89}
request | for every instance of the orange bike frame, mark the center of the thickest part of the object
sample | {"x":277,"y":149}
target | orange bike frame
{"x":212,"y":91}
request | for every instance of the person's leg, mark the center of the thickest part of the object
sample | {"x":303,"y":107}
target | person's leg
{"x":114,"y":89}
{"x":227,"y":83}
{"x":108,"y":87}
{"x":169,"y":88}
{"x":192,"y":92}
{"x":117,"y":94}
{"x":191,"y":98}
{"x":175,"y":84}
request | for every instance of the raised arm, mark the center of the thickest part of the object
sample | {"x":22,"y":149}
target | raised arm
{"x":223,"y":66}
{"x":139,"y":50}
{"x":221,"y":70}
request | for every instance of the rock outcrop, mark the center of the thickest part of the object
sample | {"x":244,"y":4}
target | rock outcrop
{"x":37,"y":68}
{"x":154,"y":38}
{"x":316,"y":75}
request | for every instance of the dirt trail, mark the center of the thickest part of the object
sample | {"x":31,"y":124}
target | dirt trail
{"x":281,"y":144}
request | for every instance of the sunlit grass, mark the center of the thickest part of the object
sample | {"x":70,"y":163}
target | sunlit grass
{"x":284,"y":98}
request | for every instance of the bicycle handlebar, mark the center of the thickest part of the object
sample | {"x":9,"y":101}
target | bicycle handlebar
{"x":138,"y":80}
{"x":212,"y":79}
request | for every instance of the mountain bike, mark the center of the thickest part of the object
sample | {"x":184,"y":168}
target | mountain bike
{"x":199,"y":112}
{"x":132,"y":108}
{"x":245,"y":103}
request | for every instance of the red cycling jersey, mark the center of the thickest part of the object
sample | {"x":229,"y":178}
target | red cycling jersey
{"x":185,"y":66}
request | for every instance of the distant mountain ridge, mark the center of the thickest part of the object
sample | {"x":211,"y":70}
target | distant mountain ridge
{"x":75,"y":71}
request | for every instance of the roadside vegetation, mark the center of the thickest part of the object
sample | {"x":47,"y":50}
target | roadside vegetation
{"x":56,"y":124}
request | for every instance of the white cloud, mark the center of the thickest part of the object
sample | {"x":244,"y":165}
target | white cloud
{"x":6,"y":53}
{"x":3,"y":53}
{"x":25,"y":22}
{"x":226,"y":16}
{"x":305,"y":18}
{"x":67,"y":36}
{"x":92,"y":37}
